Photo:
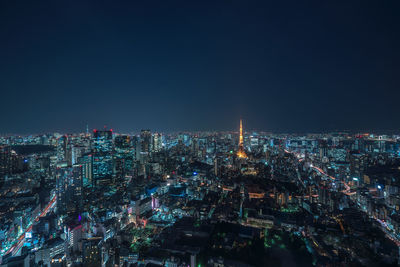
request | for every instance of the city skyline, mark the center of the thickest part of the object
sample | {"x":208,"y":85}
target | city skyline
{"x":137,"y":130}
{"x":103,"y":198}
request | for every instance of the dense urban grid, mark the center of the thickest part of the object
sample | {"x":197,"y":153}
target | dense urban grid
{"x":102,"y":198}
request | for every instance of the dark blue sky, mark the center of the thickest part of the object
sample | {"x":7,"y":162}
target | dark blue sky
{"x":199,"y":65}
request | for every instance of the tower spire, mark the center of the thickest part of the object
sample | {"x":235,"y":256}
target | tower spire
{"x":241,"y":153}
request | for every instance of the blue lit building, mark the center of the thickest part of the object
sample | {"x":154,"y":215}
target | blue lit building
{"x":86,"y":161}
{"x":102,"y":157}
{"x":124,"y":155}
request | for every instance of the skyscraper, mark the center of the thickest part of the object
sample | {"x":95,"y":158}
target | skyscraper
{"x":145,"y":146}
{"x":157,"y":142}
{"x":123,"y":158}
{"x":241,"y":153}
{"x":69,"y":184}
{"x":86,"y":161}
{"x":145,"y":139}
{"x":102,"y":156}
{"x":102,"y":141}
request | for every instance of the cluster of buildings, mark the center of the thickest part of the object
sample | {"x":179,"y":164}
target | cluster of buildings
{"x":103,"y":198}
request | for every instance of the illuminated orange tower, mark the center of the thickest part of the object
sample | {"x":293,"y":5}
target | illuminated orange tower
{"x":241,"y":153}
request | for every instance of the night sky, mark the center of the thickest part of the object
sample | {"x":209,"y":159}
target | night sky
{"x":297,"y":66}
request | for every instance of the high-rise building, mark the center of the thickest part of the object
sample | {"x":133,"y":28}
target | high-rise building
{"x":102,"y":141}
{"x":145,"y":140}
{"x":69,"y":188}
{"x":157,"y":142}
{"x":144,"y":146}
{"x":323,"y":149}
{"x":86,"y":161}
{"x":102,"y":168}
{"x":123,"y":156}
{"x":61,"y":148}
{"x":136,"y":148}
{"x":216,"y":166}
{"x":102,"y":157}
{"x":67,"y":146}
{"x":122,"y":142}
{"x":195,"y":147}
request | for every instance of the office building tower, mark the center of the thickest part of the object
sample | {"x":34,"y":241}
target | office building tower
{"x":86,"y":161}
{"x":216,"y":166}
{"x":102,"y":141}
{"x":323,"y":149}
{"x":124,"y":155}
{"x":136,"y":148}
{"x":145,"y":140}
{"x":157,"y":142}
{"x":103,"y":165}
{"x":69,"y":188}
